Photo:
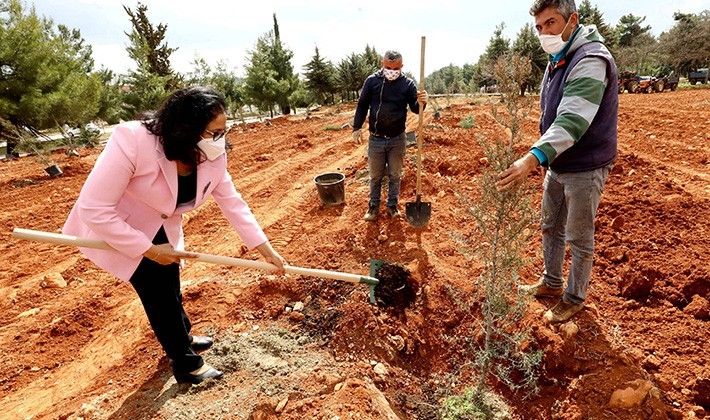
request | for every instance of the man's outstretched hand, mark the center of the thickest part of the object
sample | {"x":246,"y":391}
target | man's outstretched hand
{"x":516,"y":173}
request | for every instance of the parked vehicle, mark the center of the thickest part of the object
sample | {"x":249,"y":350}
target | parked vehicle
{"x":650,"y":84}
{"x":628,"y":81}
{"x":646,"y":84}
{"x":698,"y":76}
{"x":90,"y":128}
{"x":669,"y":81}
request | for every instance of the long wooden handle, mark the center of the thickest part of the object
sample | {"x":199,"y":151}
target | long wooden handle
{"x":421,"y":122}
{"x":56,"y":238}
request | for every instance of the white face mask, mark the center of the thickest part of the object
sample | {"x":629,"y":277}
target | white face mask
{"x":211,"y":148}
{"x":552,"y":44}
{"x":391,"y":74}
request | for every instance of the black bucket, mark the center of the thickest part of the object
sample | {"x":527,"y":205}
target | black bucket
{"x":53,"y":170}
{"x":331,"y":188}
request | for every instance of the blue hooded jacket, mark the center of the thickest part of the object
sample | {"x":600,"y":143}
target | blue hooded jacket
{"x":387,"y":102}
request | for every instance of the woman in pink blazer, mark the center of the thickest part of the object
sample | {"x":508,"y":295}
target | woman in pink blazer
{"x":149,"y":174}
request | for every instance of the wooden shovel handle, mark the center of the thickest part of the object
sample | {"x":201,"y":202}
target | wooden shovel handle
{"x":421,"y":121}
{"x":56,"y":238}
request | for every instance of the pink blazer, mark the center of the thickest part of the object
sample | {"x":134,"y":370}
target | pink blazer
{"x":131,"y":192}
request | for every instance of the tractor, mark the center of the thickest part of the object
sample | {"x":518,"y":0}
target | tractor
{"x":646,"y":84}
{"x":669,"y":81}
{"x":650,"y":84}
{"x":628,"y":82}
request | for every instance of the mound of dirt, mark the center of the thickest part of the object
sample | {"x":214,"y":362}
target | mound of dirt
{"x":395,"y":287}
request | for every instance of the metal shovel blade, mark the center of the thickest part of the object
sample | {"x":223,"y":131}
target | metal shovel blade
{"x":418,"y":213}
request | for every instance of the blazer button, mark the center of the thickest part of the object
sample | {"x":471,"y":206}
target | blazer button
{"x":164,"y":216}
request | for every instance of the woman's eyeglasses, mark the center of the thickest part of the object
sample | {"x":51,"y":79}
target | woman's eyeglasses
{"x":216,"y":135}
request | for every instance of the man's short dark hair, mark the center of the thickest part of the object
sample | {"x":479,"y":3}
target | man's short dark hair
{"x":564,"y":7}
{"x":392,"y":55}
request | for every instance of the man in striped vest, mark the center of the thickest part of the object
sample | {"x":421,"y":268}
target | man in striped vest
{"x":577,"y":148}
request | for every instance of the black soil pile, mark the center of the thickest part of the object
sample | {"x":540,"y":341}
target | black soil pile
{"x":395,"y":288}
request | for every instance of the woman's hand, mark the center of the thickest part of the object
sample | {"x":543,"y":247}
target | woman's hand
{"x":165,"y":254}
{"x":272,"y":257}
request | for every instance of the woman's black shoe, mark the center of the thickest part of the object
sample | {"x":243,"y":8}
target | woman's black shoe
{"x":201,"y":343}
{"x":190,"y":378}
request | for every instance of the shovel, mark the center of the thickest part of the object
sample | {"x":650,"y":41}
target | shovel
{"x":55,"y":238}
{"x":419,"y":212}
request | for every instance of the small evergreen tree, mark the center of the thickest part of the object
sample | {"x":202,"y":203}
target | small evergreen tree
{"x":351,"y":74}
{"x":320,"y":79}
{"x":221,"y":78}
{"x":527,"y":45}
{"x":261,"y":85}
{"x":270,"y":80}
{"x":591,"y":15}
{"x":302,"y":97}
{"x":43,"y":70}
{"x":153,"y":78}
{"x":281,"y":62}
{"x":372,"y":59}
{"x":498,"y":46}
{"x":631,"y":31}
{"x":110,"y":98}
{"x":504,"y":219}
{"x":148,"y":47}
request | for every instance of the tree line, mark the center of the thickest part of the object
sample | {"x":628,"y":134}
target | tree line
{"x":47,"y":75}
{"x":683,"y":48}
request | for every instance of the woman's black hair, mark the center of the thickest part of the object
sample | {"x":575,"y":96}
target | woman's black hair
{"x":182,"y":119}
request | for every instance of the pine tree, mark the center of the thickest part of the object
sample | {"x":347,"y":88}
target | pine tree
{"x":43,"y":70}
{"x":687,"y":44}
{"x":351,"y":74}
{"x":270,"y":80}
{"x":630,"y":30}
{"x":281,"y":62}
{"x":153,"y":78}
{"x":372,"y":58}
{"x":147,"y":48}
{"x":320,"y":78}
{"x":527,"y":45}
{"x":591,"y":15}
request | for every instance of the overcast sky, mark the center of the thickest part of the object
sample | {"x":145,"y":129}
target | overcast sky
{"x":457,"y":31}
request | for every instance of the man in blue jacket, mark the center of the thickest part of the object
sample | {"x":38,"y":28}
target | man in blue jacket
{"x":386,"y":95}
{"x":578,"y":145}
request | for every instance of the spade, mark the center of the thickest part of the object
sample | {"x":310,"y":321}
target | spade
{"x":419,"y":212}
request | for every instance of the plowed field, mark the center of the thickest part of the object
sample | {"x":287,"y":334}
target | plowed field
{"x":75,"y":342}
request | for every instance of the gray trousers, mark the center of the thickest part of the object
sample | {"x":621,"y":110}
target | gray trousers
{"x":569,"y":207}
{"x":386,"y":156}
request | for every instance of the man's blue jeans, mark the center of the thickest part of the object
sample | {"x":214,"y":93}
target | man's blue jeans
{"x":569,"y":207}
{"x":386,"y":155}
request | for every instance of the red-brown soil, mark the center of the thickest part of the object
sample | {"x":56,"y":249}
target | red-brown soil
{"x":84,"y":350}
